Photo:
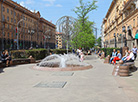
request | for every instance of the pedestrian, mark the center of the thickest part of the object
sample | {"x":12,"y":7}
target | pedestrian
{"x":135,"y":50}
{"x":114,"y":53}
{"x":79,"y":51}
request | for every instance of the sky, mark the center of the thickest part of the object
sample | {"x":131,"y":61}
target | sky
{"x":52,"y":10}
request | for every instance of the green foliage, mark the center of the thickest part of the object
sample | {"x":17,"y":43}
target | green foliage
{"x":59,"y":51}
{"x":83,"y":33}
{"x":35,"y":53}
{"x":108,"y":51}
{"x":99,"y":41}
{"x":85,"y":8}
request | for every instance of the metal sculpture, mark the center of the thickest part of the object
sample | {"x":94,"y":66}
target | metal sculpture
{"x":66,"y":26}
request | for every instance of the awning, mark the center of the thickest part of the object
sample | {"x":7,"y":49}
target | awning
{"x":136,"y":36}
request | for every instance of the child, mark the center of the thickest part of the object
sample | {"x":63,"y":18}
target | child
{"x":81,"y":56}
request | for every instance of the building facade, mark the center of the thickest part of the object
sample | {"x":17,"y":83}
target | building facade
{"x":102,"y":35}
{"x":121,"y":24}
{"x":18,"y":24}
{"x":59,"y":40}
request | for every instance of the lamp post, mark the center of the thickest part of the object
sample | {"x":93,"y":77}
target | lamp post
{"x":31,"y":32}
{"x":115,"y":40}
{"x":124,"y":30}
{"x":45,"y":37}
{"x":18,"y":34}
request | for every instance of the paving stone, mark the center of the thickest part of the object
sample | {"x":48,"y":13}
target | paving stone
{"x":54,"y":84}
{"x":63,"y":74}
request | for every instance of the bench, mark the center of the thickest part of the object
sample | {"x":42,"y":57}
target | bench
{"x":20,"y":61}
{"x":124,"y":69}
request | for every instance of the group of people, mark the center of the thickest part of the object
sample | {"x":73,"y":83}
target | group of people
{"x":130,"y":56}
{"x":5,"y":57}
{"x":101,"y":54}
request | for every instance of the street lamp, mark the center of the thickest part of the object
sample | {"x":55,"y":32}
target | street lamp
{"x":17,"y":33}
{"x":115,"y":40}
{"x":31,"y":32}
{"x":124,"y":30}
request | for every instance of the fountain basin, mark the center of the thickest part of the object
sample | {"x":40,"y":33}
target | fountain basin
{"x":68,"y":68}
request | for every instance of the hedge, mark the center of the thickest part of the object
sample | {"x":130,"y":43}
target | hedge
{"x":35,"y":53}
{"x":108,"y":51}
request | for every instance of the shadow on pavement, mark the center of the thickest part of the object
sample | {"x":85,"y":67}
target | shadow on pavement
{"x":1,"y":70}
{"x":134,"y":69}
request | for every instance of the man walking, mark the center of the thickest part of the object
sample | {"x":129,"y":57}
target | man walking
{"x":135,"y":50}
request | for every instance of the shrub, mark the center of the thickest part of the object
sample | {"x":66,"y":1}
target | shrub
{"x":108,"y":51}
{"x":35,"y":53}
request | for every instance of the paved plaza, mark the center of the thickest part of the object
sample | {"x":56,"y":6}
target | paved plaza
{"x":23,"y":84}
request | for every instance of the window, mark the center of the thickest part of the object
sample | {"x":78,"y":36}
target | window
{"x":14,"y":20}
{"x":11,"y":20}
{"x":3,"y":8}
{"x":11,"y":12}
{"x":7,"y":18}
{"x":14,"y":13}
{"x":7,"y":10}
{"x":3,"y":17}
{"x":8,"y":26}
{"x":12,"y":35}
{"x":8,"y":34}
{"x":12,"y":27}
{"x":133,"y":22}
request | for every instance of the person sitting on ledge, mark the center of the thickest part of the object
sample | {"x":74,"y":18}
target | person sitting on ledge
{"x":124,"y":57}
{"x":99,"y":54}
{"x":102,"y":54}
{"x":8,"y":58}
{"x":114,"y":53}
{"x":130,"y":58}
{"x":3,"y":57}
{"x":117,"y":58}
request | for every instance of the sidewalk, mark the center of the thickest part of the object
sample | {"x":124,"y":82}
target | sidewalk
{"x":18,"y":84}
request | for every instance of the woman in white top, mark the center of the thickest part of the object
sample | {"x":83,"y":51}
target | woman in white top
{"x":130,"y":58}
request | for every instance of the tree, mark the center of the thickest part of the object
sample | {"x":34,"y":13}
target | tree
{"x":99,"y":42}
{"x":83,"y":33}
{"x":84,"y":8}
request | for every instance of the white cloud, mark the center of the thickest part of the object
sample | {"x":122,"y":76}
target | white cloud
{"x":50,"y":2}
{"x":29,"y":1}
{"x":58,"y":5}
{"x":22,"y":3}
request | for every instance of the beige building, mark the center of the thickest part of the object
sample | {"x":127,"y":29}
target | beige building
{"x":31,"y":27}
{"x":121,"y":24}
{"x":58,"y":40}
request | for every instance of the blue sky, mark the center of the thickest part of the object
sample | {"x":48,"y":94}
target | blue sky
{"x":52,"y":10}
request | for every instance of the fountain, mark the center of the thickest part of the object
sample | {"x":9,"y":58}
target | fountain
{"x":66,"y":62}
